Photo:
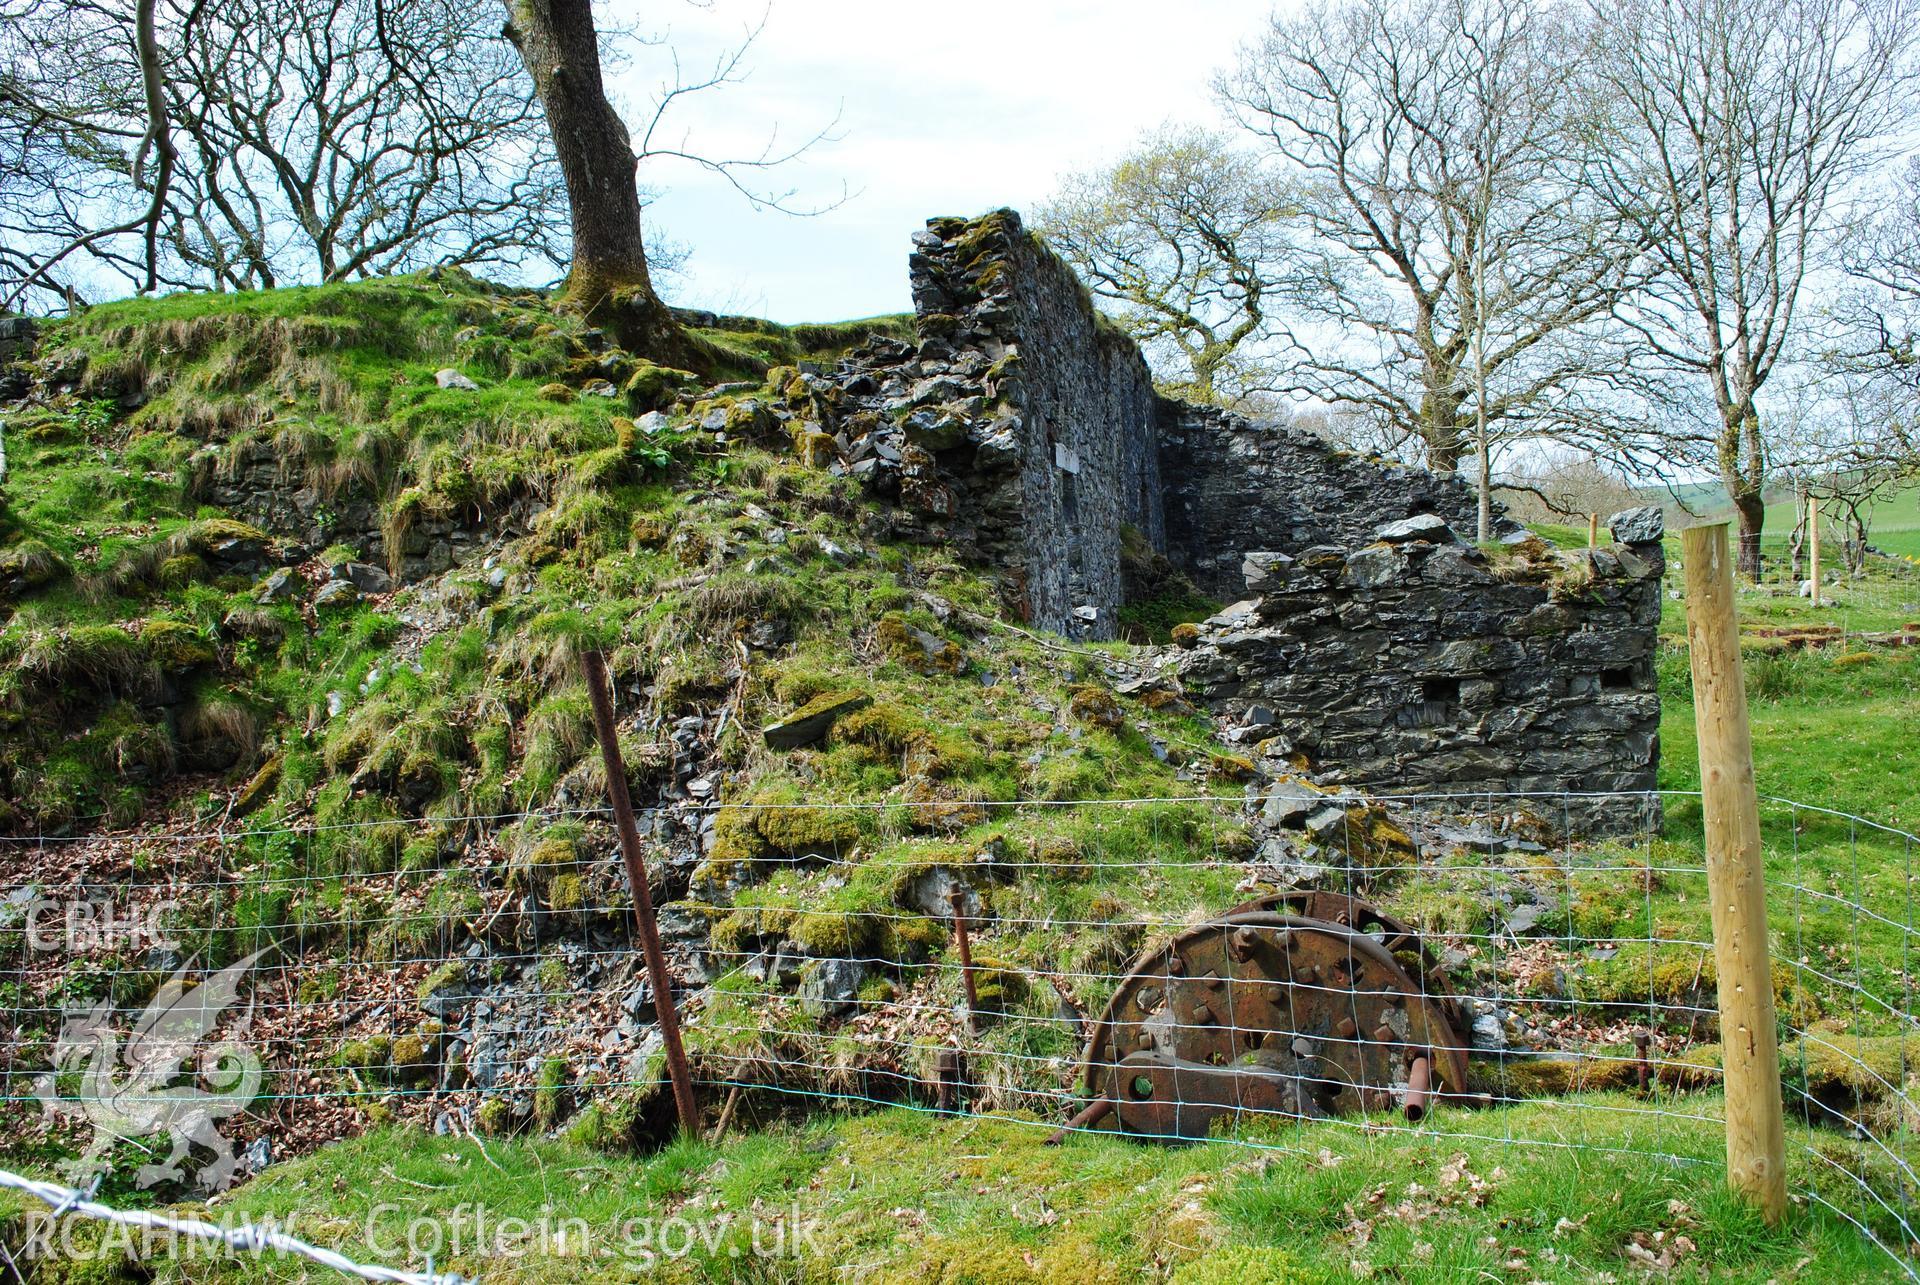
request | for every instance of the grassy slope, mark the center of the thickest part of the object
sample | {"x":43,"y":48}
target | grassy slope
{"x":670,"y":558}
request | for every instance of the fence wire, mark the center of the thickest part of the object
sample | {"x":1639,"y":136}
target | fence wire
{"x":1557,"y":981}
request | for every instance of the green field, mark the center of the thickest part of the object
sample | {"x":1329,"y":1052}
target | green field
{"x":1893,"y":524}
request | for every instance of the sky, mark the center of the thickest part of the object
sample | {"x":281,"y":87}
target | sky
{"x":943,"y":108}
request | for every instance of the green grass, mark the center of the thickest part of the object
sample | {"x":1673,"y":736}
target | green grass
{"x":911,"y":1197}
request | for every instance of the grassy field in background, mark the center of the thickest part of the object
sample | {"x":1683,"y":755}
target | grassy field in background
{"x":1893,"y":524}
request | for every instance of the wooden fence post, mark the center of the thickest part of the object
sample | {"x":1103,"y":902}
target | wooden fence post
{"x":1593,"y":530}
{"x":1813,"y":534}
{"x":1756,"y":1129}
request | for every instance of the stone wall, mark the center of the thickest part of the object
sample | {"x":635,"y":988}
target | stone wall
{"x":1235,"y":485}
{"x":1025,"y":424}
{"x":1416,"y":663}
{"x":1024,"y":427}
{"x":250,"y":482}
{"x":1089,"y":459}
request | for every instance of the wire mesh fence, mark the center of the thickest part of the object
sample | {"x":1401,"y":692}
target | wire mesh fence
{"x":1536,"y":970}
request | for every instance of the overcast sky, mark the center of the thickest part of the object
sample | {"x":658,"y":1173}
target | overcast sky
{"x":944,"y":108}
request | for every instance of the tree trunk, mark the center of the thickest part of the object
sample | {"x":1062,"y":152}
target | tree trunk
{"x":608,"y":276}
{"x":1743,"y":470}
{"x":1441,"y":433}
{"x":1750,"y":513}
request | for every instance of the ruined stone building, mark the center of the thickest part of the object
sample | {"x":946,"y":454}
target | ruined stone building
{"x":1366,"y":634}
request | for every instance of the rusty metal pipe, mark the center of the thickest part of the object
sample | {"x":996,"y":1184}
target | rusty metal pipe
{"x":948,"y":1075}
{"x":966,"y":957}
{"x":1641,"y":1069}
{"x":1419,"y":1081}
{"x":1088,"y":1116}
{"x":595,"y":666}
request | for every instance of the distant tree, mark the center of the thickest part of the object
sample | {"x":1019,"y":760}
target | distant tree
{"x":1843,"y":437}
{"x":87,"y":156}
{"x":328,"y":139}
{"x":1187,"y":237}
{"x":1730,"y":135}
{"x":1563,"y":484}
{"x":1457,"y":270}
{"x":1880,"y":352}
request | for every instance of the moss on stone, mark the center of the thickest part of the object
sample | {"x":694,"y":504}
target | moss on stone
{"x":559,"y":393}
{"x":912,"y":939}
{"x":652,"y":387}
{"x":917,"y":650}
{"x":550,"y":1091}
{"x":997,"y":986}
{"x":735,"y":837}
{"x":741,"y":931}
{"x":883,"y":725}
{"x":838,"y":935}
{"x":494,"y":1118}
{"x":175,"y":647}
{"x":1096,"y":705}
{"x":411,"y":1051}
{"x":447,"y":976}
{"x":795,"y":830}
{"x":1232,"y":767}
{"x":370,"y":1053}
{"x":260,"y":787}
{"x":815,"y":448}
{"x":566,"y":893}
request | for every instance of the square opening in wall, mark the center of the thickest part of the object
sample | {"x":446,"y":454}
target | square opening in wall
{"x":1440,"y":691}
{"x":1621,"y":679}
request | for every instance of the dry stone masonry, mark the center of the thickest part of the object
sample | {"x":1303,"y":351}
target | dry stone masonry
{"x":1419,"y":663}
{"x":1377,"y":643}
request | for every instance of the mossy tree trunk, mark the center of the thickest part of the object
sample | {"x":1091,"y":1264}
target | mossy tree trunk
{"x":608,"y":276}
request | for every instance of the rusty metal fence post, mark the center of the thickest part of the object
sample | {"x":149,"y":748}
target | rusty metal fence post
{"x":661,"y":980}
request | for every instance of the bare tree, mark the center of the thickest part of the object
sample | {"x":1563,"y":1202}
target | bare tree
{"x":87,"y":99}
{"x":1455,"y":261}
{"x":1730,"y":136}
{"x":1879,"y":354}
{"x":1558,"y":484}
{"x":298,"y":140}
{"x":326,"y":139}
{"x":1843,"y":437}
{"x":1186,"y":236}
